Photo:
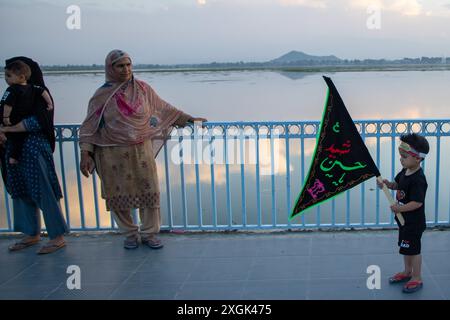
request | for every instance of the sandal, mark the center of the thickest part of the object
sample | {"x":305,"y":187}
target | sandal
{"x":130,"y":243}
{"x":412,"y":286}
{"x":22,"y":245}
{"x":153,"y":243}
{"x":51,"y":247}
{"x":398,"y":278}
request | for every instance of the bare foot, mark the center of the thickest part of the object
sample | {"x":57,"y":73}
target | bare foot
{"x":32,"y":238}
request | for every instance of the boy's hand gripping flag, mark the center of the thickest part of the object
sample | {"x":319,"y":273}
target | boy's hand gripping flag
{"x":341,"y":159}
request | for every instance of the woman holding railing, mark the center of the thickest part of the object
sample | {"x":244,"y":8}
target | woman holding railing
{"x":126,"y":125}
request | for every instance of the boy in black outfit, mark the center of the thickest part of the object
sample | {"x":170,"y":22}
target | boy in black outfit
{"x":18,"y":103}
{"x":411,"y":186}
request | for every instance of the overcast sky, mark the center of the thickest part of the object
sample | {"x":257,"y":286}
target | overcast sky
{"x":201,"y":31}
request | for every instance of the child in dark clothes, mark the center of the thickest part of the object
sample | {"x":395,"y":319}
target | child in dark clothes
{"x":411,"y":186}
{"x":18,"y":103}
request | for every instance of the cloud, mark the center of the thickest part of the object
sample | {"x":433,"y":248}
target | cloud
{"x":434,"y":8}
{"x":284,"y":3}
{"x":404,"y":7}
{"x":141,"y":6}
{"x":304,"y":3}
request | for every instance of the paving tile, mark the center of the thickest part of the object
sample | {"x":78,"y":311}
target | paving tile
{"x":230,"y":249}
{"x":27,"y":291}
{"x":99,"y":291}
{"x":292,"y":246}
{"x":283,"y":267}
{"x":438,"y":263}
{"x":147,"y":291}
{"x":9,"y":270}
{"x":211,"y":290}
{"x":443,"y":283}
{"x":338,"y":266}
{"x":339,"y":289}
{"x":223,"y":266}
{"x":221,"y":269}
{"x":39,"y":275}
{"x":275,"y":290}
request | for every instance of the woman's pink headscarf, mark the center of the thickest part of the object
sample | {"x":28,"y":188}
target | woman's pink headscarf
{"x":126,"y":113}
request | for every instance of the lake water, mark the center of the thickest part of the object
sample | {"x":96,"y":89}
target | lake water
{"x":272,"y":96}
{"x":260,"y":96}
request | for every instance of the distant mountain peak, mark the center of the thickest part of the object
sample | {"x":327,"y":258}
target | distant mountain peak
{"x":295,"y":56}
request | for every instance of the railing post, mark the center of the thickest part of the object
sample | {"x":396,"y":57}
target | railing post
{"x":242,"y":162}
{"x":438,"y":156}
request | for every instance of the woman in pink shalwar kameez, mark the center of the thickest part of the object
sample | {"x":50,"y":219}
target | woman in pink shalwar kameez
{"x":126,"y":125}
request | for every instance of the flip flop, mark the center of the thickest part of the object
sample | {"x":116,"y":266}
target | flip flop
{"x":152,"y":243}
{"x":51,"y":247}
{"x":22,"y":245}
{"x":412,"y":286}
{"x":398,"y":278}
{"x":131,"y":243}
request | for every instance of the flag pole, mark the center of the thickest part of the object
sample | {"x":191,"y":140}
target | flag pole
{"x":391,"y":200}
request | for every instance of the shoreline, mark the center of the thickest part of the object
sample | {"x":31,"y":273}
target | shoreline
{"x":299,"y":69}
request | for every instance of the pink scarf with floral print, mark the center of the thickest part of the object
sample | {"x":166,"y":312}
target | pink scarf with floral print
{"x":126,"y":113}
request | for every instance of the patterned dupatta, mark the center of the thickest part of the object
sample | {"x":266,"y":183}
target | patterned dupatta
{"x":127,"y":113}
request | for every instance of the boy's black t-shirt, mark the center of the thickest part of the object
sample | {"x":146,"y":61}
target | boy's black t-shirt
{"x":412,"y":188}
{"x":22,"y":100}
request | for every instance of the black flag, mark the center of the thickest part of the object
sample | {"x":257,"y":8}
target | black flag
{"x":341,"y":159}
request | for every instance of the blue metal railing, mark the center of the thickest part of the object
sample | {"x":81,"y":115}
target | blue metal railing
{"x":218,"y":179}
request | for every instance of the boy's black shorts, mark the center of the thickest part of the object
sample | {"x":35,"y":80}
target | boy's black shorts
{"x":409,"y":241}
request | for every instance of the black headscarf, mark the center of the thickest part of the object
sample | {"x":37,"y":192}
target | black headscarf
{"x":36,"y":73}
{"x":44,"y":116}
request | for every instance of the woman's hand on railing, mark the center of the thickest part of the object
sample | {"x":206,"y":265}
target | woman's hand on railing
{"x":87,"y":164}
{"x":197,"y":120}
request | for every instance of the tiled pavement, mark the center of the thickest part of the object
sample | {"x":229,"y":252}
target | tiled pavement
{"x":250,"y":266}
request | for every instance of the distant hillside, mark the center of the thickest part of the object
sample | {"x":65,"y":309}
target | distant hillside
{"x":298,"y":56}
{"x":291,"y":61}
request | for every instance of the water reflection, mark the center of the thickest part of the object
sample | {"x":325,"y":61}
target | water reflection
{"x":272,"y":96}
{"x":294,"y":75}
{"x":270,"y":203}
{"x":260,"y":96}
